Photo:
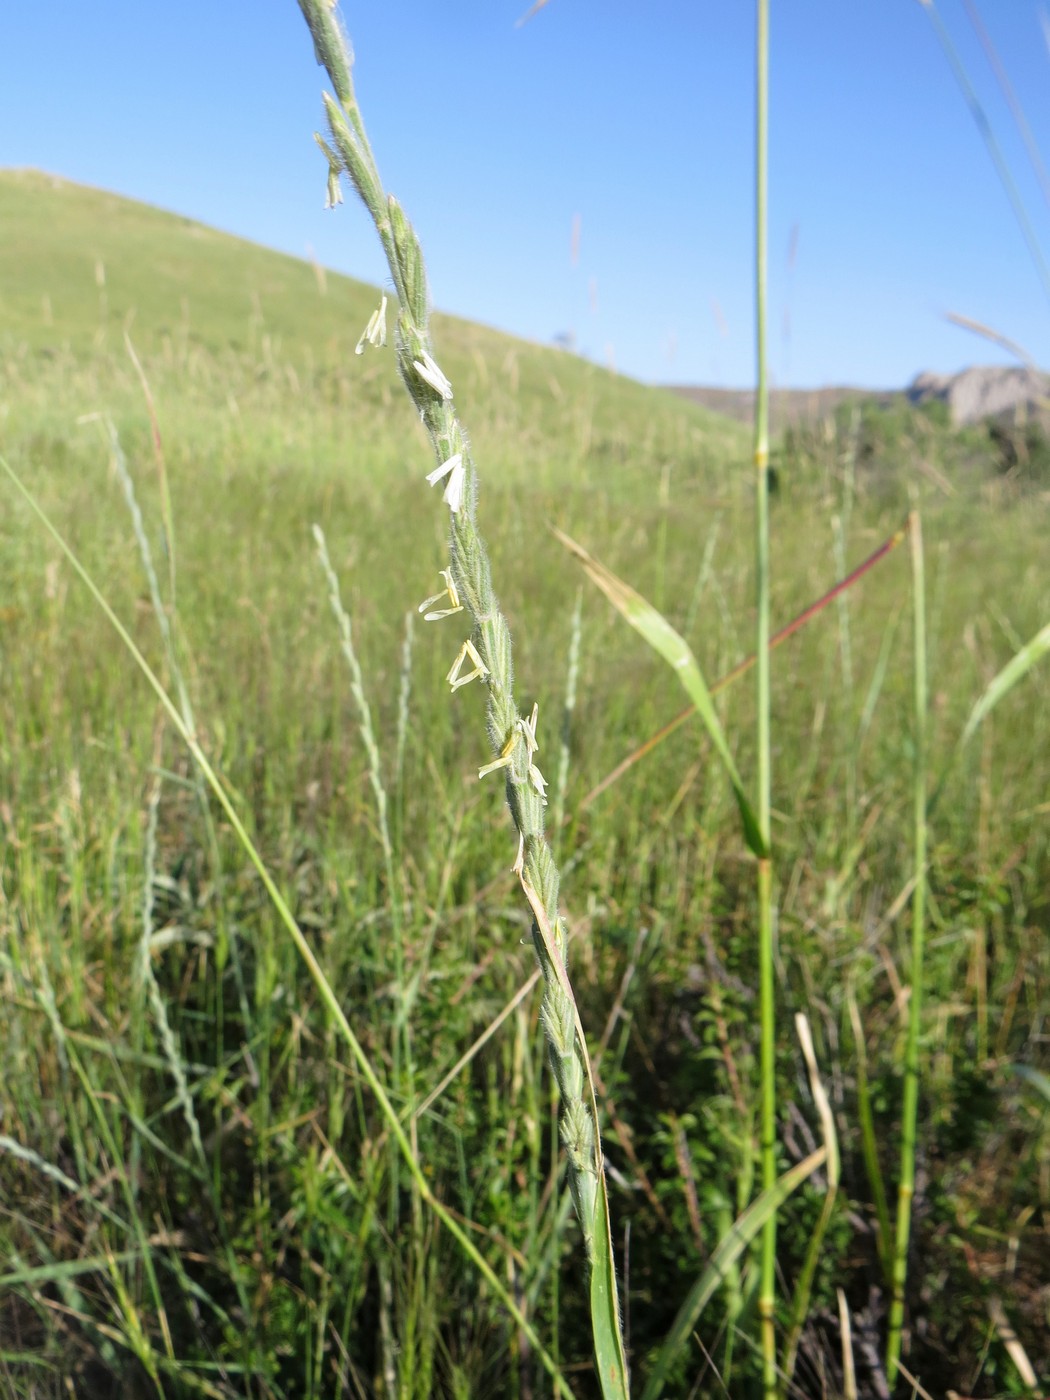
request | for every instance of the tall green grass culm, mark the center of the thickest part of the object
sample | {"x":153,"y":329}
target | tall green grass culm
{"x":276,"y":1111}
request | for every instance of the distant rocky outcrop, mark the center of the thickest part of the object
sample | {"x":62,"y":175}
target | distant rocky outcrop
{"x":1011,"y":395}
{"x":986,"y":391}
{"x":787,"y":407}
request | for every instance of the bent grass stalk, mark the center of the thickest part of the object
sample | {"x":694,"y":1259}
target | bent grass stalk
{"x":484,"y":656}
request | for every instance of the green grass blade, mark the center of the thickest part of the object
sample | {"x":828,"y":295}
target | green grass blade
{"x":729,"y":1250}
{"x":1015,"y":670}
{"x":65,"y":1269}
{"x":804,"y":1283}
{"x":1038,"y":1080}
{"x":678,"y":654}
{"x":868,"y":1136}
{"x":997,"y":688}
{"x":605,"y":1308}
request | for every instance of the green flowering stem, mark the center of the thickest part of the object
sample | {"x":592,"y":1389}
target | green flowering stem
{"x":487,"y":650}
{"x":763,"y":800}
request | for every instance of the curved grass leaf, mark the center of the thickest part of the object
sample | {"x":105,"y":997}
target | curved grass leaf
{"x":729,"y":1250}
{"x":1015,"y":669}
{"x":606,"y":1329}
{"x":804,"y":1283}
{"x":999,"y":686}
{"x":1039,"y":1081}
{"x":678,"y":654}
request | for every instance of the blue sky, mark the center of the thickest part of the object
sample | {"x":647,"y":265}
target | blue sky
{"x":635,"y":119}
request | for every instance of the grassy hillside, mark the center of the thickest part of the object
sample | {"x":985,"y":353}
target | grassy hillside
{"x":200,"y":1195}
{"x":79,"y":267}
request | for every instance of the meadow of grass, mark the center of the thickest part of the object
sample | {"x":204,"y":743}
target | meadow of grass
{"x":199,"y":1195}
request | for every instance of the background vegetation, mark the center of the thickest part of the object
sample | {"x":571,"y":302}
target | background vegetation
{"x":167,"y":1237}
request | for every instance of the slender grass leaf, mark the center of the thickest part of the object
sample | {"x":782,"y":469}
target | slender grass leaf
{"x":728,"y":1252}
{"x":66,"y":1269}
{"x":804,"y":1283}
{"x":868,"y":1137}
{"x":999,"y":686}
{"x":1038,"y":1080}
{"x":678,"y":654}
{"x":605,"y":1307}
{"x":1015,"y":669}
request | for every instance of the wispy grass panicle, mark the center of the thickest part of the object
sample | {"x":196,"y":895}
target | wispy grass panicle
{"x":404,"y":695}
{"x":148,"y":982}
{"x":404,"y":1054}
{"x":357,"y":689}
{"x":512,"y":737}
{"x":572,"y":672}
{"x":160,"y":612}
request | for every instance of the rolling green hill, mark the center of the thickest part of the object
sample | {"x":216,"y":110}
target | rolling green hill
{"x":80,"y":266}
